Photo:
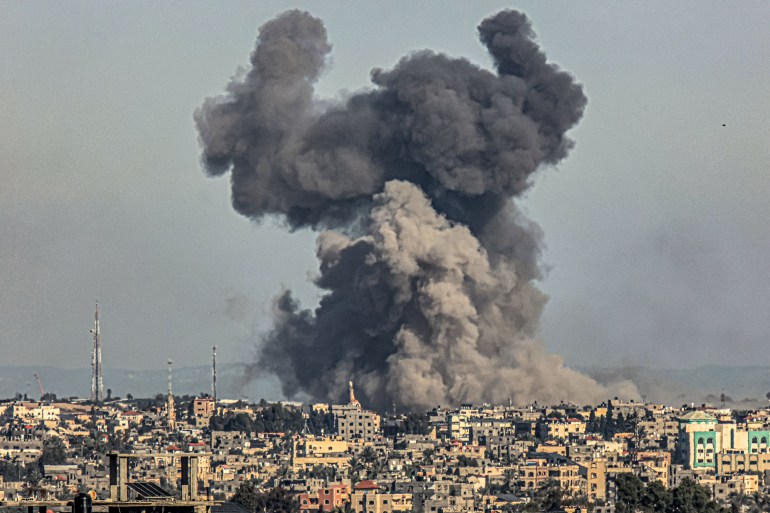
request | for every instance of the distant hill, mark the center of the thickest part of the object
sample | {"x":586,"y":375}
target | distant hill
{"x":742,"y":385}
{"x":139,"y":383}
{"x":745,"y":386}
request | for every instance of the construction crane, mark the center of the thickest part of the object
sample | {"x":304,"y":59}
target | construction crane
{"x":40,"y":386}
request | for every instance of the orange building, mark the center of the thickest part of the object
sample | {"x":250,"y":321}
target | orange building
{"x":326,"y":499}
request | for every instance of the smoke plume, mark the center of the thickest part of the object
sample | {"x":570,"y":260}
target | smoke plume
{"x":427,"y":265}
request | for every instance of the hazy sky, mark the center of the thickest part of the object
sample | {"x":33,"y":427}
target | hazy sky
{"x":657,"y":225}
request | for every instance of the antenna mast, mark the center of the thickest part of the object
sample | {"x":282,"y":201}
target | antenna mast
{"x":97,"y":385}
{"x":214,"y":375}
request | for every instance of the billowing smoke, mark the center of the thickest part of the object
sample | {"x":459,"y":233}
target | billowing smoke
{"x":427,"y":263}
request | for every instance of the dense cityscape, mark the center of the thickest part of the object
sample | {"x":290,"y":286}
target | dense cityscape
{"x":616,"y":456}
{"x":418,"y":368}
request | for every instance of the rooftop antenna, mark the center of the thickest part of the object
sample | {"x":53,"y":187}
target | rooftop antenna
{"x":97,"y":384}
{"x":171,"y":413}
{"x":214,"y":375}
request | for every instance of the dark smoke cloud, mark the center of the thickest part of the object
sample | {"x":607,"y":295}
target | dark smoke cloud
{"x":429,"y":268}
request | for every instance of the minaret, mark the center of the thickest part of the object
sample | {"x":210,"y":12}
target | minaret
{"x":171,"y":412}
{"x":352,"y":394}
{"x":97,"y":385}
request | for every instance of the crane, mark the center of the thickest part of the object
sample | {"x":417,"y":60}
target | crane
{"x":40,"y":386}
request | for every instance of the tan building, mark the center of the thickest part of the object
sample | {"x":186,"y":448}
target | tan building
{"x":539,"y":470}
{"x":740,"y":463}
{"x":533,"y":475}
{"x":595,"y":472}
{"x":746,"y":484}
{"x":20,"y":450}
{"x":203,"y":407}
{"x":30,"y":411}
{"x":310,"y":451}
{"x":353,"y":422}
{"x":368,"y":498}
{"x":553,"y":429}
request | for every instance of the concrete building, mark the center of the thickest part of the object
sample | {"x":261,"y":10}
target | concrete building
{"x":697,"y":440}
{"x":703,"y":441}
{"x":367,"y":497}
{"x":202,"y":410}
{"x":325,"y":499}
{"x":354,"y":423}
{"x":595,"y":474}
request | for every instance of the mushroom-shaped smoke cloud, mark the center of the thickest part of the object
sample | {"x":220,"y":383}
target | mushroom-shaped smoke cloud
{"x":428,"y":266}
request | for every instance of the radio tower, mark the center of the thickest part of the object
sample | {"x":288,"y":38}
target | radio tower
{"x":97,"y":385}
{"x":171,"y":413}
{"x":214,"y":375}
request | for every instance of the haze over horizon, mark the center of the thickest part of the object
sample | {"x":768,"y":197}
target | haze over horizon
{"x":655,"y":226}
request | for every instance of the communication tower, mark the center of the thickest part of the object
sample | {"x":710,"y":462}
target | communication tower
{"x":214,"y":375}
{"x":97,"y":383}
{"x":171,"y":413}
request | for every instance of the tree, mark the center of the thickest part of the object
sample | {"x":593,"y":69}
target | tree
{"x":630,"y":491}
{"x":656,"y":497}
{"x":54,"y":452}
{"x":239,"y":422}
{"x":275,"y":500}
{"x":591,"y":425}
{"x":550,"y":496}
{"x":690,"y":497}
{"x":10,"y":470}
{"x":319,"y":422}
{"x":416,"y":424}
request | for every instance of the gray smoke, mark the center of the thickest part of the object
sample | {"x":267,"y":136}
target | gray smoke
{"x":427,"y":263}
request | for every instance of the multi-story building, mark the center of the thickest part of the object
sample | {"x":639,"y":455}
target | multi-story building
{"x":595,"y":474}
{"x":561,"y":429}
{"x":310,"y":451}
{"x":367,"y":497}
{"x":327,"y":499}
{"x":703,"y":440}
{"x":203,"y":408}
{"x":353,"y":422}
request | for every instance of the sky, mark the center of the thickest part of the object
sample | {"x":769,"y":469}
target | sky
{"x":657,"y":240}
